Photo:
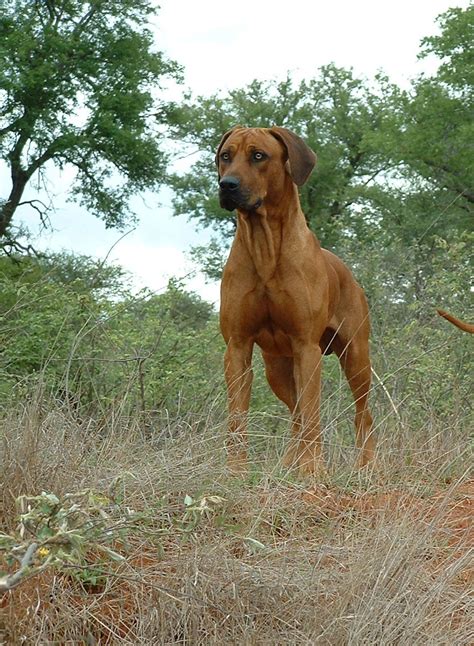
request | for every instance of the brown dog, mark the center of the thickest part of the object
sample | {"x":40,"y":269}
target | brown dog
{"x":282,"y":291}
{"x":466,"y":327}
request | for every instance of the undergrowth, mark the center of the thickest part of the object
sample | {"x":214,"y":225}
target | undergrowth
{"x":140,"y":536}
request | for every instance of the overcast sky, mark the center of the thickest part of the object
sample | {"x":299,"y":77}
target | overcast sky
{"x":226,"y":45}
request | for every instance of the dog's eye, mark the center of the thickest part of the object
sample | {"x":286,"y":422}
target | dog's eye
{"x":258,"y":156}
{"x":225,"y":156}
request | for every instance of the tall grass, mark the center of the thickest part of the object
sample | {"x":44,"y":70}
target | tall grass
{"x":382,"y":556}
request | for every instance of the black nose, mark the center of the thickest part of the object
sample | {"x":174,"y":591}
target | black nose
{"x":229,"y":183}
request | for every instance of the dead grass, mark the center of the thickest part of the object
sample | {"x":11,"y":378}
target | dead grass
{"x":376,"y":557}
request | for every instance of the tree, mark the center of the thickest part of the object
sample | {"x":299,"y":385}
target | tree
{"x":431,"y":148}
{"x":435,"y":140}
{"x":78,"y":87}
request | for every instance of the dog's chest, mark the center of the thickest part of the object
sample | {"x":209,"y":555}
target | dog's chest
{"x":274,"y":324}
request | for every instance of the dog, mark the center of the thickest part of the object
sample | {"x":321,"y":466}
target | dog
{"x":282,"y":291}
{"x":467,"y":327}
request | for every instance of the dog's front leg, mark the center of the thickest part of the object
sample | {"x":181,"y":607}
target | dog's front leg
{"x":238,"y":375}
{"x":305,"y":450}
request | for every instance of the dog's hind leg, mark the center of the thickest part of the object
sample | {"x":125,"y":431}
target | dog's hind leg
{"x":355,"y":362}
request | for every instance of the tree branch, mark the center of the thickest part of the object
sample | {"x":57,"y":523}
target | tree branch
{"x":467,"y":193}
{"x":10,"y":127}
{"x":43,"y":213}
{"x":15,"y":154}
{"x":11,"y":247}
{"x":10,"y":581}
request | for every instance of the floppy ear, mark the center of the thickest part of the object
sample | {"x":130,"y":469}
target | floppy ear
{"x":300,"y":156}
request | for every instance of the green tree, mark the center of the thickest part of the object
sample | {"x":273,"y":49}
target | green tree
{"x":435,"y":140}
{"x":431,"y":146}
{"x":79,"y":86}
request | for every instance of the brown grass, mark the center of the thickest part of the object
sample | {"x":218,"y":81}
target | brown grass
{"x":379,"y":557}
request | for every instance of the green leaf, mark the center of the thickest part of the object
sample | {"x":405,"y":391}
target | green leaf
{"x":254,"y":545}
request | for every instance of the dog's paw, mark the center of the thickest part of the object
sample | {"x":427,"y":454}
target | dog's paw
{"x":305,"y":461}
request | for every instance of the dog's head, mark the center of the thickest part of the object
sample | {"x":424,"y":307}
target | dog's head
{"x":254,"y":165}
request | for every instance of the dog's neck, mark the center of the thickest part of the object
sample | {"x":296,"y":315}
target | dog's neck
{"x":266,"y":231}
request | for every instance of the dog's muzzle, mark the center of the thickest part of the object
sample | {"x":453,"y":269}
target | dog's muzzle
{"x":232,"y":196}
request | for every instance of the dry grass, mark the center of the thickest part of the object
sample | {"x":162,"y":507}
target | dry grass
{"x":379,"y":557}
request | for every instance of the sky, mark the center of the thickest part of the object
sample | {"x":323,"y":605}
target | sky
{"x":223,"y":46}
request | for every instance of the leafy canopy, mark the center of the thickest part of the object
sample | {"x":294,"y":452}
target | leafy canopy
{"x":436,"y":140}
{"x":79,"y":86}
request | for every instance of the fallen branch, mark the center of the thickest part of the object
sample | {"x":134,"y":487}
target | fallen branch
{"x":10,"y":581}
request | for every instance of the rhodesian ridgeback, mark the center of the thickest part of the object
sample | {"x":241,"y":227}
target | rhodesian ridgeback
{"x":285,"y":293}
{"x":462,"y":325}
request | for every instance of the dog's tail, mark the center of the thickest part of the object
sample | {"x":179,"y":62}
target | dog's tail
{"x":467,"y":327}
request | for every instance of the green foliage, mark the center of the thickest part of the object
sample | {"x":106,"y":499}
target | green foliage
{"x":210,"y":258}
{"x":84,"y":533}
{"x":454,"y":47}
{"x":47,"y":304}
{"x":435,"y":139}
{"x":76,"y":88}
{"x":173,"y":350}
{"x":71,"y":322}
{"x":420,"y":359}
{"x":80,"y":273}
{"x":58,"y":533}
